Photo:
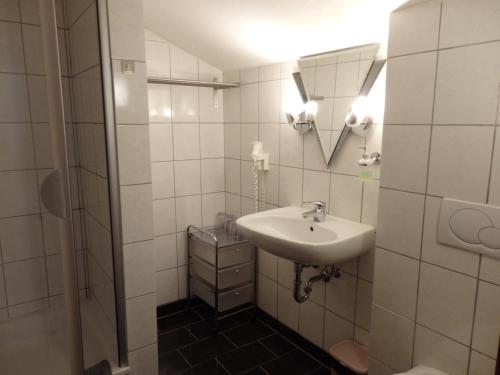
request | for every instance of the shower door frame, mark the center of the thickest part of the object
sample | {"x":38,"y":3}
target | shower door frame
{"x":56,"y":113}
{"x":113,"y":178}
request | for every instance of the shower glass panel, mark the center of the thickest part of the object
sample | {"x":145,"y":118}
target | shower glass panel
{"x":33,"y":315}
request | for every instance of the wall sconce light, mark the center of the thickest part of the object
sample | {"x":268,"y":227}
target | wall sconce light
{"x":358,"y":118}
{"x":303,"y":122}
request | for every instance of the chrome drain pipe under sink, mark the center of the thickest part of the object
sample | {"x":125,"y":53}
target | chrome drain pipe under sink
{"x":302,"y":294}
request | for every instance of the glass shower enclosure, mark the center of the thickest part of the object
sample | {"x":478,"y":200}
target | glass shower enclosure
{"x":60,"y":274}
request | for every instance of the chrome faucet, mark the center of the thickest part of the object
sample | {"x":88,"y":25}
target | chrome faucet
{"x":318,"y":212}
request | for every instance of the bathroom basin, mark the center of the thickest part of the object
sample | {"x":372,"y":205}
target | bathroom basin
{"x":285,"y":233}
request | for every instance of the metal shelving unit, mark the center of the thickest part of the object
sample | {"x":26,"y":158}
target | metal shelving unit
{"x":221,"y":271}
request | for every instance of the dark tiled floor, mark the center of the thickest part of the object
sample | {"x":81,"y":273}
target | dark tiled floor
{"x":246,"y":343}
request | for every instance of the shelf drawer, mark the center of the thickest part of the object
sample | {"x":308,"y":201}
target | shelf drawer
{"x":228,"y":256}
{"x":228,"y":277}
{"x":227,"y":300}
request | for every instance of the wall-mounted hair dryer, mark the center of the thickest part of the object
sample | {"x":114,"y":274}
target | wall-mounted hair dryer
{"x":260,"y":160}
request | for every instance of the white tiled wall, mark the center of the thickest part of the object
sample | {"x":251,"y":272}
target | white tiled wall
{"x":134,"y":159}
{"x":298,"y":175}
{"x":436,"y":305}
{"x":187,"y":158}
{"x":29,"y":259}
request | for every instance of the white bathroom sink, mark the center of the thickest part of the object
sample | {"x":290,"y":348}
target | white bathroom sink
{"x":285,"y":233}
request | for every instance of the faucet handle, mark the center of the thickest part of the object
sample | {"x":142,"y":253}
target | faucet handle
{"x":319,"y":205}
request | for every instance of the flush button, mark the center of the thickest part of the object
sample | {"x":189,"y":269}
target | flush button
{"x":467,"y":223}
{"x":490,"y":237}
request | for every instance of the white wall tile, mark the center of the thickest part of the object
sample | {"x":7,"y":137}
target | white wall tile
{"x":208,"y":72}
{"x":212,"y":175}
{"x":391,"y":339}
{"x":269,"y":102}
{"x":406,"y":150}
{"x":269,"y":72}
{"x":377,"y":368}
{"x":160,"y":103}
{"x":336,"y":329}
{"x":16,"y":142}
{"x":268,"y":264}
{"x":364,"y":303}
{"x":141,"y":321}
{"x":414,"y":28}
{"x":316,"y":186}
{"x":139,"y":267}
{"x":188,"y":211}
{"x":436,"y":253}
{"x":131,"y":104}
{"x":467,"y":180}
{"x":164,"y":216}
{"x":311,"y":322}
{"x":451,"y":356}
{"x":3,"y":300}
{"x":25,"y":281}
{"x":183,"y":64}
{"x":157,"y":59}
{"x":232,"y":175}
{"x":165,"y":249}
{"x":291,"y":147}
{"x":400,"y":222}
{"x":396,"y":283}
{"x":232,"y":104}
{"x":9,"y":10}
{"x":186,"y":141}
{"x":137,"y":212}
{"x":187,"y":177}
{"x":288,"y":309}
{"x":126,"y":30}
{"x":267,"y":295}
{"x":410,"y":89}
{"x":249,"y":134}
{"x":167,"y":287}
{"x":13,"y":98}
{"x":369,"y":210}
{"x":21,"y":237}
{"x":211,"y":205}
{"x":465,"y":92}
{"x":494,"y":192}
{"x":185,"y":104}
{"x":446,"y":302}
{"x":269,"y":135}
{"x":11,"y":43}
{"x":232,"y":140}
{"x":249,"y":75}
{"x":490,"y":270}
{"x":467,"y":21}
{"x":345,"y":193}
{"x":133,"y":151}
{"x":486,"y":322}
{"x":347,"y":160}
{"x":211,"y":105}
{"x":250,"y":103}
{"x":341,"y":296}
{"x":144,"y":360}
{"x":18,"y":193}
{"x":211,"y":140}
{"x":163,"y":179}
{"x":290,"y":192}
{"x":290,"y":99}
{"x":481,"y":364}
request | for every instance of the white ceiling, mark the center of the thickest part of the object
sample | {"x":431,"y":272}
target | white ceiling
{"x":233,"y":34}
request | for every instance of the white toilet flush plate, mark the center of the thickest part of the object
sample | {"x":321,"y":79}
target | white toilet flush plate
{"x":470,"y":226}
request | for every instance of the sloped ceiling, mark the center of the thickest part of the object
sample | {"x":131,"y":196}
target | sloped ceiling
{"x":233,"y":34}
